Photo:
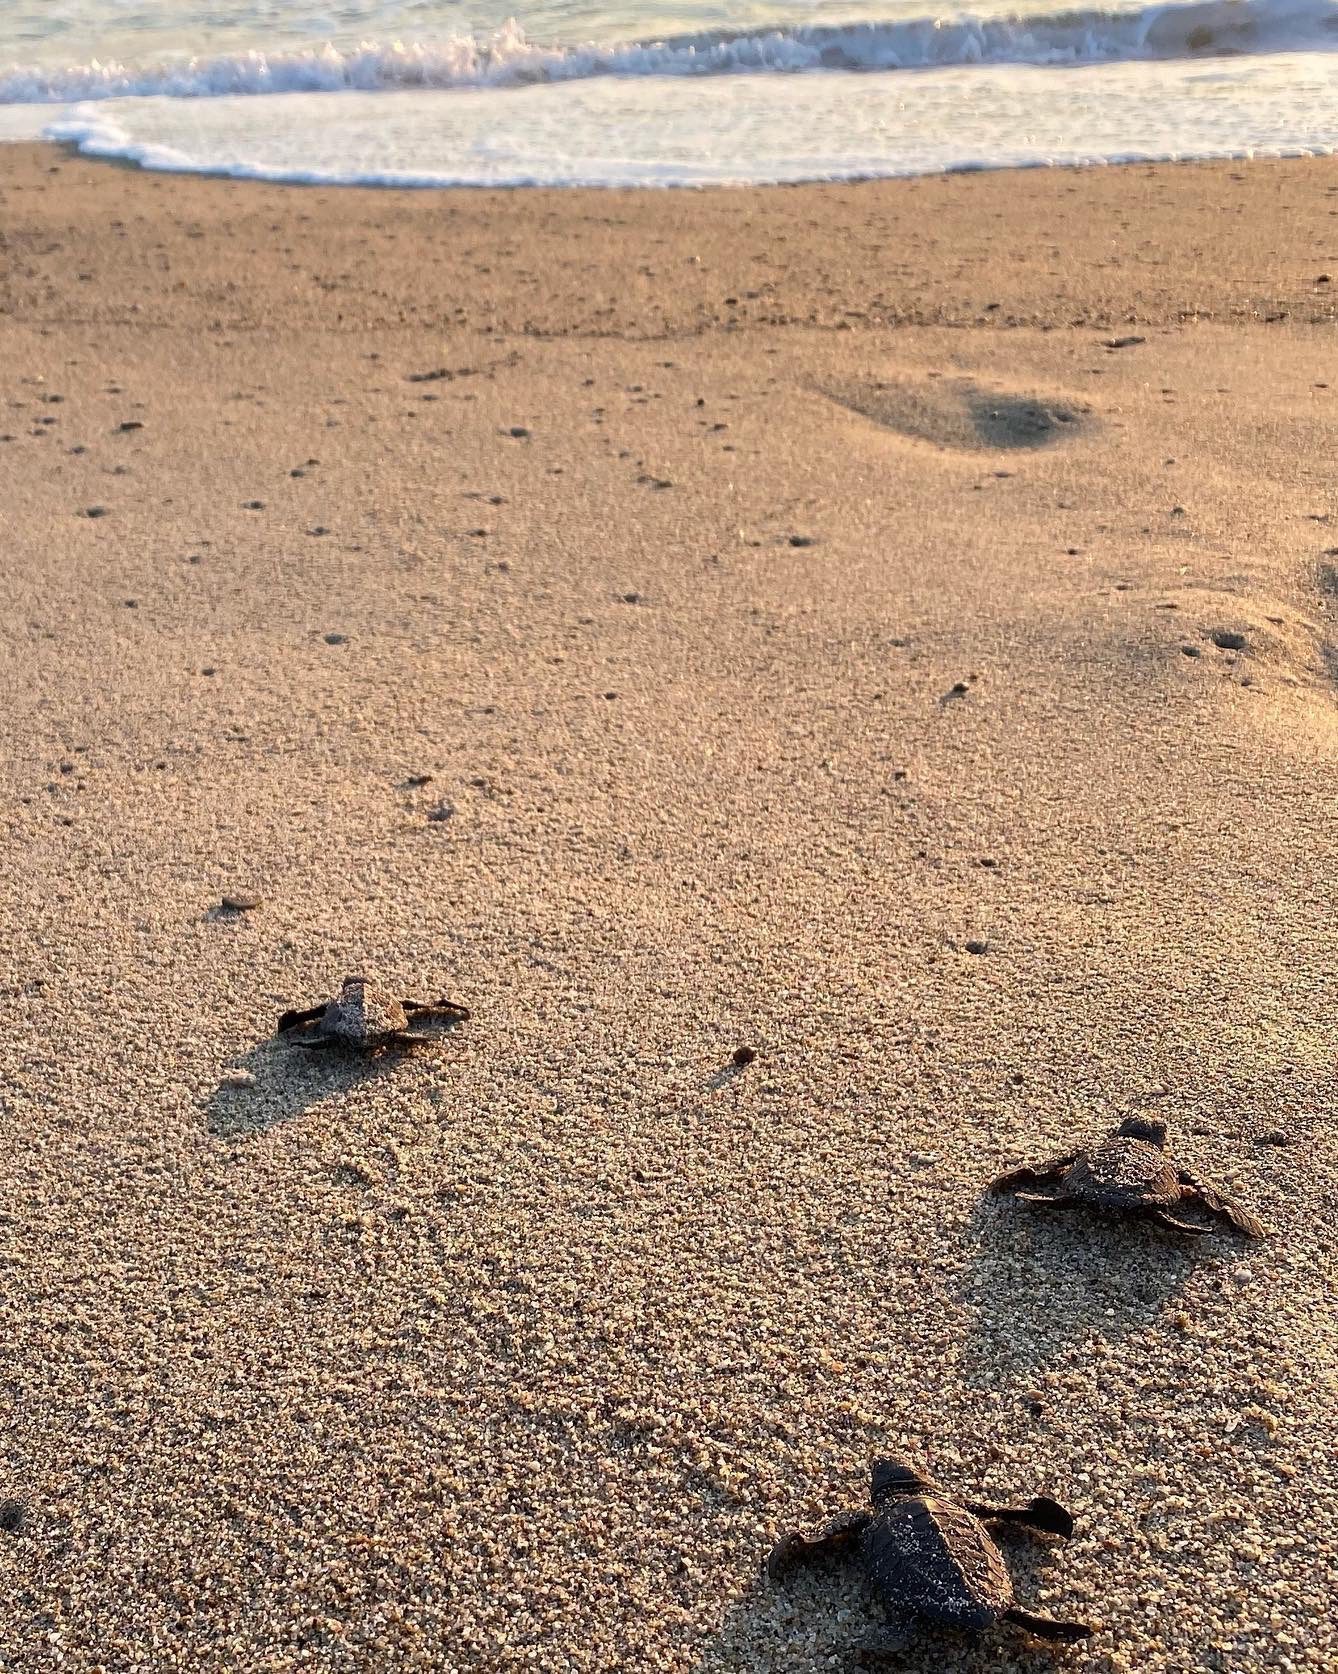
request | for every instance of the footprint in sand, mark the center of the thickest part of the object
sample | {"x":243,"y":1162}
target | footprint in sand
{"x":962,"y":414}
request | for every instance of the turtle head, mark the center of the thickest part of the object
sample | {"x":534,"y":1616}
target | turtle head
{"x":352,"y":984}
{"x":1150,"y":1129}
{"x":896,"y":1479}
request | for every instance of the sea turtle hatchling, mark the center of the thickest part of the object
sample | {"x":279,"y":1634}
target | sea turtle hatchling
{"x":365,"y":1018}
{"x":1130,"y":1170}
{"x":930,"y":1556}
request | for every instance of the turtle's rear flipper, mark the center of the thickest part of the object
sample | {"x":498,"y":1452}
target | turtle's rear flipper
{"x":1032,"y":1174}
{"x":1163,"y":1217}
{"x":1213,"y":1200}
{"x":833,"y":1537}
{"x":291,"y":1019}
{"x":1045,"y":1627}
{"x":1042,"y":1513}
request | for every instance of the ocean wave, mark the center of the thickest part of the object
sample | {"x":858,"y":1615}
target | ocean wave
{"x":1197,"y":28}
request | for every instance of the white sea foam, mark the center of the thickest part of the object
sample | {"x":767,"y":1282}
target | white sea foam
{"x":508,"y":58}
{"x":657,"y":132}
{"x":655,"y":97}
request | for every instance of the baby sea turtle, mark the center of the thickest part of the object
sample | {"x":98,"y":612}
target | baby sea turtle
{"x":365,"y":1018}
{"x":931,"y":1556}
{"x":1130,"y":1169}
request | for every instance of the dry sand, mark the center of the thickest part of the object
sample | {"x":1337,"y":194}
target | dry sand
{"x":518,"y":1354}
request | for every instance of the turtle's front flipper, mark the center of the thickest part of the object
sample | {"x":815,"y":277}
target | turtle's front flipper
{"x":1201,"y":1192}
{"x":291,"y":1019}
{"x":1044,"y":1514}
{"x":1045,"y":1627}
{"x":317,"y":1043}
{"x":836,"y":1536}
{"x":1032,"y":1174}
{"x":446,"y":1008}
{"x":1164,"y":1217}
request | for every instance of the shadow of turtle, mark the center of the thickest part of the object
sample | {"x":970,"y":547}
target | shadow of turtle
{"x":1043,"y":1278}
{"x":231,"y":911}
{"x":278,"y":1080}
{"x":285,"y":1082}
{"x":823,"y":1612}
{"x":725,"y":1076}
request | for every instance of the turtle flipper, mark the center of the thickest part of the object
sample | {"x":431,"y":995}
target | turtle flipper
{"x":293,"y":1019}
{"x":1032,"y":1174}
{"x":444,"y":1008}
{"x":1045,"y":1627}
{"x":835,"y":1536}
{"x":318,"y":1043}
{"x":1164,"y":1217}
{"x":1200,"y":1191}
{"x":1043,"y":1514}
{"x":1040,"y":1197}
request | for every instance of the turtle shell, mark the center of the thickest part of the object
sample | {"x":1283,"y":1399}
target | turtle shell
{"x":1123,"y":1173}
{"x":363,"y":1013}
{"x":932,"y":1557}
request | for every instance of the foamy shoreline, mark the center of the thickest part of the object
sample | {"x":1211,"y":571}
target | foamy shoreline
{"x":783,"y":101}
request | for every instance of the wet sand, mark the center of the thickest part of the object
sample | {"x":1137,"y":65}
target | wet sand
{"x":891,"y":627}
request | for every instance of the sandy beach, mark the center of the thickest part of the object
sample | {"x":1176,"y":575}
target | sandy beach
{"x":893,"y":627}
